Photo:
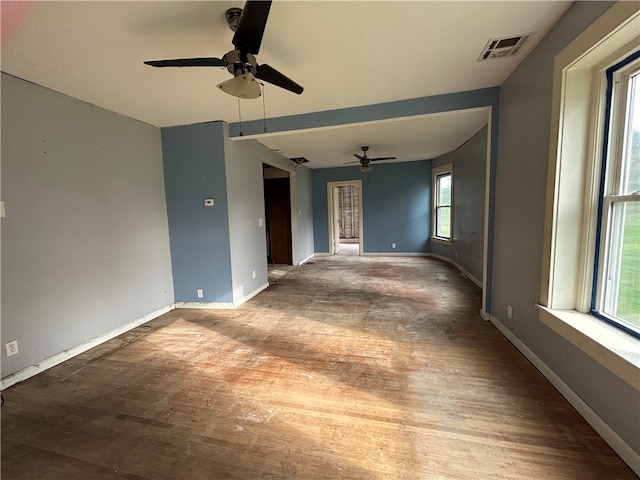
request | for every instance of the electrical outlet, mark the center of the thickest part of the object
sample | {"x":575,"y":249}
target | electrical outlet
{"x":393,"y":245}
{"x":260,"y":222}
{"x":253,"y":274}
{"x":11,"y":347}
{"x":509,"y":311}
{"x":199,"y":292}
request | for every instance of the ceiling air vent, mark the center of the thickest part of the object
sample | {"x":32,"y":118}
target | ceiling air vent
{"x":503,"y":47}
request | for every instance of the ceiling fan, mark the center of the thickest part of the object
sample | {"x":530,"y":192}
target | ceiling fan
{"x":248,"y":24}
{"x":363,"y":160}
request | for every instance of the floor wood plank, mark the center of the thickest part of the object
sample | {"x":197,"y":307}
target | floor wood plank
{"x":346,"y":367}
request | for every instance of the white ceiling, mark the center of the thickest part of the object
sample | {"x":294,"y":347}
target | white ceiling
{"x":345,"y":54}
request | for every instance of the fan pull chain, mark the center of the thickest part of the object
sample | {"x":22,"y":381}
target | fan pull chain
{"x":240,"y":117}
{"x":264,"y":110}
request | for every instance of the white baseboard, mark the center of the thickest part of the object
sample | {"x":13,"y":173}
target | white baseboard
{"x":628,"y":455}
{"x":321,"y":254}
{"x":307,"y":259}
{"x":463,"y":270}
{"x":485,"y":316}
{"x":47,"y":363}
{"x":249,"y":296}
{"x":222,"y":305}
{"x":206,"y":305}
{"x":395,"y":254}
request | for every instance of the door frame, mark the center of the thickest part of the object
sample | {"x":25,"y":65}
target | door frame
{"x":294,"y":207}
{"x":331,"y":209}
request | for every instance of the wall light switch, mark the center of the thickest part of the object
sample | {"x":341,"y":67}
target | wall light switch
{"x":208,"y":202}
{"x":3,"y":213}
{"x":260,"y":222}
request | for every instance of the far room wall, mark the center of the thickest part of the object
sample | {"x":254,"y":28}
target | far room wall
{"x":395,"y":206}
{"x":469,"y":180}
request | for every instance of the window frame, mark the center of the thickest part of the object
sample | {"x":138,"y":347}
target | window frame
{"x":608,"y":244}
{"x":437,"y":174}
{"x":570,"y":225}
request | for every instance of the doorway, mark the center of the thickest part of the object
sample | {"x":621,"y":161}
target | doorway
{"x":277,"y":204}
{"x":345,"y":217}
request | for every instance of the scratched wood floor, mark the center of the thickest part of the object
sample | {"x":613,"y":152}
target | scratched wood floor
{"x":346,"y":368}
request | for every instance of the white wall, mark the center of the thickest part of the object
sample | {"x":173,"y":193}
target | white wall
{"x":85,"y":243}
{"x":469,"y":169}
{"x":521,"y":180}
{"x":245,"y":198}
{"x":304,"y":213}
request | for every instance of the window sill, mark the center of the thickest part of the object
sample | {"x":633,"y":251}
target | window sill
{"x":442,"y":240}
{"x":612,"y":348}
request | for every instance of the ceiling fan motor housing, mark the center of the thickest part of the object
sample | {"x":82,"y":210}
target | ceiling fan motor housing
{"x":239,"y":63}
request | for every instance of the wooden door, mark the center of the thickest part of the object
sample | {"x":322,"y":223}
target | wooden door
{"x":278,"y":213}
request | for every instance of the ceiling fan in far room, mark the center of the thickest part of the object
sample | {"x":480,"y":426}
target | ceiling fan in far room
{"x":363,"y":160}
{"x":249,"y":25}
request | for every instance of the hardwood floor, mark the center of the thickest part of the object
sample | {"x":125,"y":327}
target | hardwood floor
{"x":347,"y":367}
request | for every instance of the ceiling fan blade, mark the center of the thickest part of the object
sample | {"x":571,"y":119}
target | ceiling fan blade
{"x":271,"y":75}
{"x":381,"y":158}
{"x":188,"y":62}
{"x":359,"y":157}
{"x":248,"y":36}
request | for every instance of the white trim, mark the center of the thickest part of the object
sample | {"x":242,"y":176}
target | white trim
{"x":628,"y":455}
{"x":249,"y":296}
{"x":485,"y":316}
{"x":396,"y":254}
{"x":612,"y":348}
{"x":47,"y":363}
{"x":446,"y":169}
{"x":462,"y":270}
{"x":487,"y":204}
{"x":222,"y":305}
{"x":330,"y":208}
{"x":307,"y":259}
{"x":206,"y":305}
{"x":321,"y":254}
{"x":443,"y":241}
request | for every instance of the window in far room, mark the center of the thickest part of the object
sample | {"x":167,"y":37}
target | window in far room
{"x":442,"y":212}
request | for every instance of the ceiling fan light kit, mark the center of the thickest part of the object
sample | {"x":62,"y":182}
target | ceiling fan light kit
{"x":242,"y":86}
{"x":249,"y":25}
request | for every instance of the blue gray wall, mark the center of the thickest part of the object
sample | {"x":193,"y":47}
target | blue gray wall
{"x":525,"y":113}
{"x":218,"y":248}
{"x":194,"y":169}
{"x":469,"y":170}
{"x":85,"y":244}
{"x":396,"y":198}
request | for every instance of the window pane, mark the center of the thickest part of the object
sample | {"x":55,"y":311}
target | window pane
{"x":444,"y":190}
{"x":631,"y":162}
{"x":623,"y":282}
{"x":443,"y":222}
